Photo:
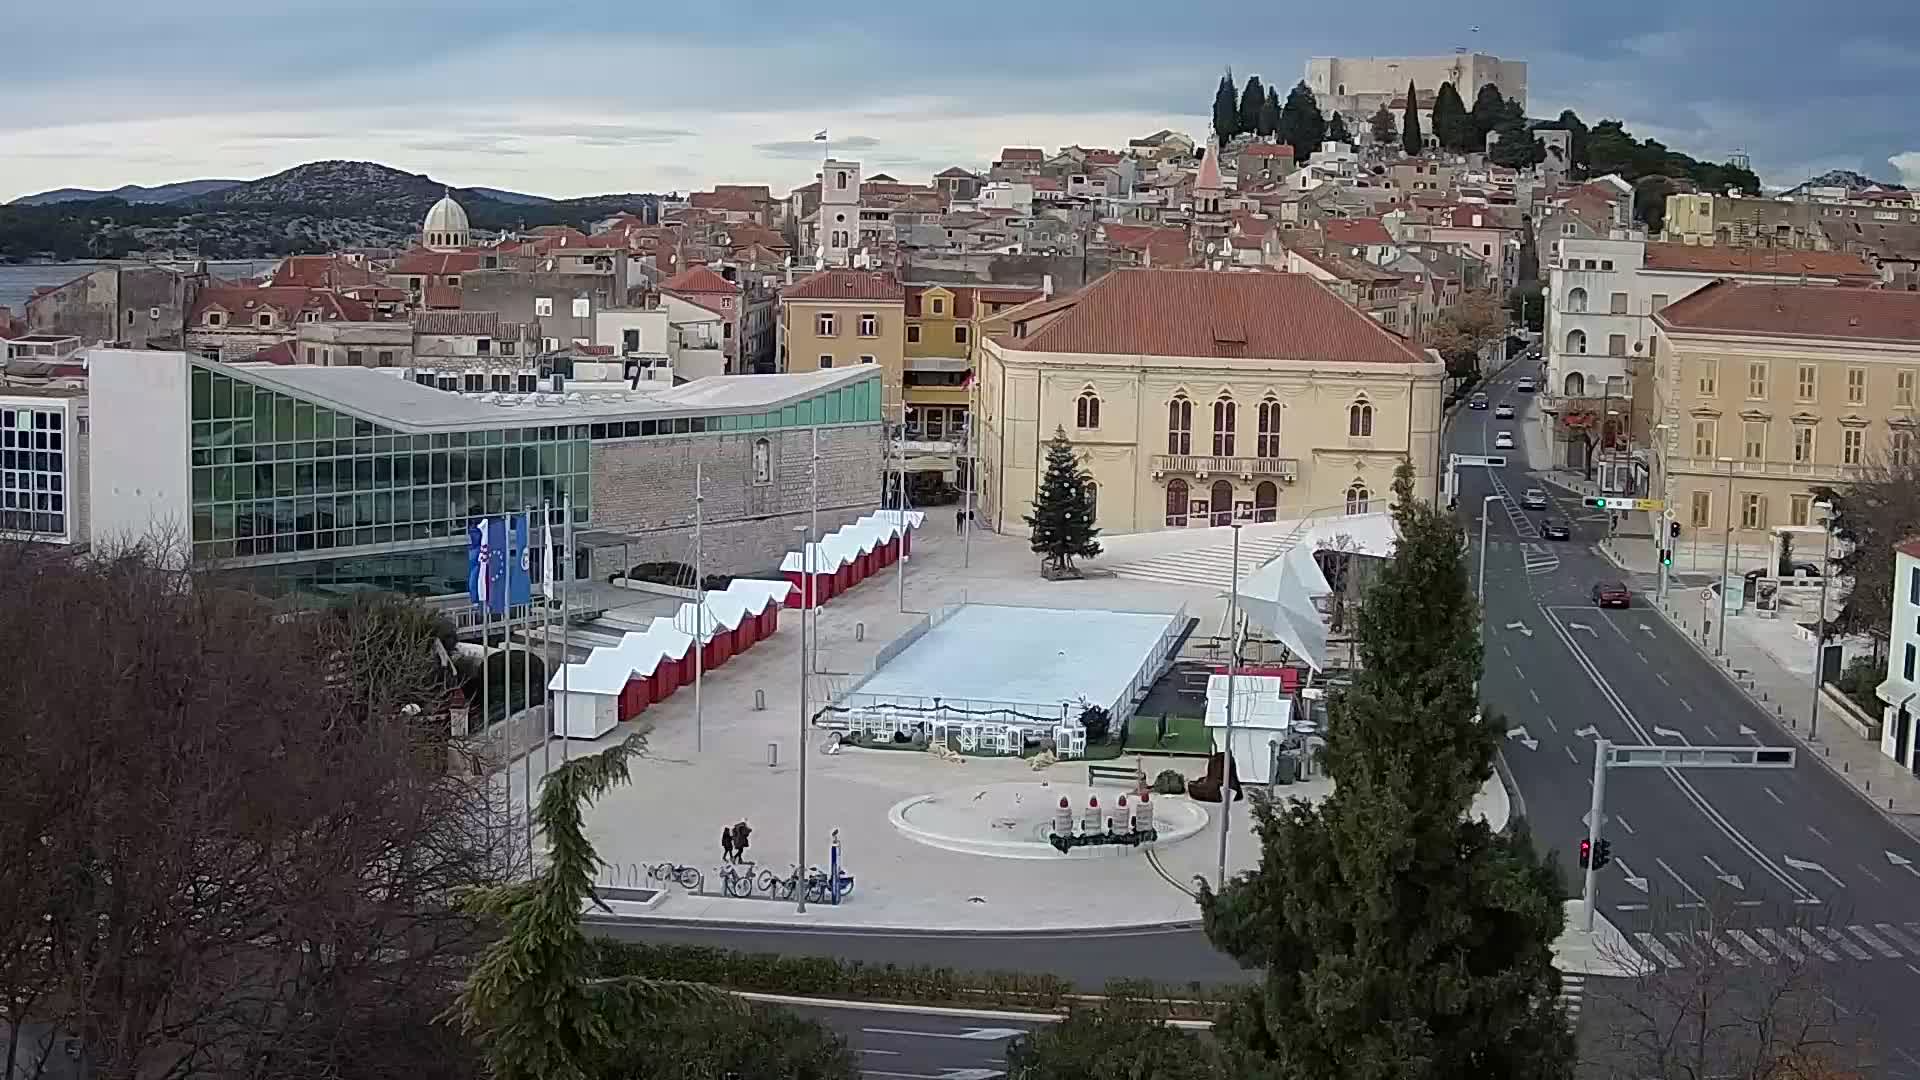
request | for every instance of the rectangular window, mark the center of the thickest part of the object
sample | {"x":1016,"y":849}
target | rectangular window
{"x":1616,"y":344}
{"x":866,"y":359}
{"x":823,"y":324}
{"x":826,"y":360}
{"x":1757,"y":381}
{"x":1903,"y":388}
{"x":1856,"y":386}
{"x":1853,"y":445}
{"x":1906,"y":664}
{"x":1703,"y":438}
{"x":1709,"y":377}
{"x":1617,"y":304}
{"x":1900,"y":447}
{"x":1659,"y":301}
{"x":960,"y":335}
{"x":1753,"y":510}
{"x":543,"y":306}
{"x":1799,"y":509}
{"x":1803,"y":443}
{"x":869,"y":325}
{"x":1756,"y":439}
{"x":1913,"y":586}
{"x":1700,"y":513}
{"x":913,"y":333}
{"x":1806,"y":385}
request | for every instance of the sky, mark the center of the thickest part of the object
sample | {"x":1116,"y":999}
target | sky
{"x":580,"y":97}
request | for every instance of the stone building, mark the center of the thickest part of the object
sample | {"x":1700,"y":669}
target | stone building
{"x":134,"y":307}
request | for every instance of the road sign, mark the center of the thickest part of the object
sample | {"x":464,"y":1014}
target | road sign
{"x":1491,"y":461}
{"x":1615,"y":502}
{"x":1701,"y":757}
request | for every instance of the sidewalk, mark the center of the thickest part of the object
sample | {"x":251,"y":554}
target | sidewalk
{"x":1788,"y":693}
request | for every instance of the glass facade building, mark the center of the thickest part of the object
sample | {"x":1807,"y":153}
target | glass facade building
{"x":321,"y":499}
{"x":33,"y":470}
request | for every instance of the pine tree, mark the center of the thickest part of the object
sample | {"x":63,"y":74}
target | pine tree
{"x":1252,"y":98}
{"x":1410,"y":138}
{"x":1337,"y":130}
{"x":1385,"y":131}
{"x":1270,"y":113}
{"x":1488,"y":106}
{"x":1226,"y":109}
{"x":1062,"y":518}
{"x":1399,"y":935}
{"x":1451,"y":124}
{"x":1301,"y":126}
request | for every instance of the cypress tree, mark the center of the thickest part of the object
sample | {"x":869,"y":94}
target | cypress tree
{"x":1398,"y":935}
{"x":1385,"y":131}
{"x":1410,"y":138}
{"x":1270,"y":113}
{"x":1337,"y":130}
{"x":1226,"y":109}
{"x":1062,"y":518}
{"x":1451,"y":125}
{"x":1489,"y":105}
{"x":1301,"y":126}
{"x":1252,"y":98}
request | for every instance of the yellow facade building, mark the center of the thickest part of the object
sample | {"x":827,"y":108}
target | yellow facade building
{"x":945,"y":324}
{"x":840,"y":318}
{"x":1199,"y":397}
{"x":1767,"y":391}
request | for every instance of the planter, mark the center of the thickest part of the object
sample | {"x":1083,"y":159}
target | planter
{"x":1840,"y":705}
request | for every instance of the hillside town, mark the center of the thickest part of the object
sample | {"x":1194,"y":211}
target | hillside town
{"x":1385,"y":285}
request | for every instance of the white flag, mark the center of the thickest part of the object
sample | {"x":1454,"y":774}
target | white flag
{"x":546,"y":556}
{"x":820,"y":136}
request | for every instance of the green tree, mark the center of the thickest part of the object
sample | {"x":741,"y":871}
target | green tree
{"x":1062,"y":518}
{"x":1385,"y":131}
{"x":1270,"y":113}
{"x":1121,"y":1040}
{"x":1337,"y":130}
{"x":1252,"y":97}
{"x":1870,"y":515}
{"x":1398,"y":936}
{"x":1226,"y":109}
{"x":1517,"y":149}
{"x":1411,"y":139}
{"x":1489,"y":105}
{"x":1301,"y":125}
{"x":1451,"y":124}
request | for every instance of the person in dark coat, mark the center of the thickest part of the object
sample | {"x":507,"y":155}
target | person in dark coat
{"x":741,"y":830}
{"x":726,"y":844}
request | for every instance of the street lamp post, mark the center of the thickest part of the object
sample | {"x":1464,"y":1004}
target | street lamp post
{"x":1820,"y":631}
{"x":807,"y":599}
{"x":1480,"y":591}
{"x":1233,"y":664}
{"x":1726,"y":561}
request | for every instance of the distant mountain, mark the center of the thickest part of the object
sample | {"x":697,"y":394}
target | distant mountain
{"x":1842,"y":178}
{"x":513,"y":198}
{"x":131,"y":193}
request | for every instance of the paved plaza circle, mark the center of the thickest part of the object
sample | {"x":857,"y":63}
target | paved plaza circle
{"x":1012,"y":820}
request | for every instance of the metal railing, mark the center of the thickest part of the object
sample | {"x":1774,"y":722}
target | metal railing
{"x":1284,"y":468}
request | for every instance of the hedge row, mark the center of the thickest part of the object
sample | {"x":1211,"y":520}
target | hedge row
{"x":824,"y":976}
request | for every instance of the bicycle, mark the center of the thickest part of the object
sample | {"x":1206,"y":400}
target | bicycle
{"x":735,"y":881}
{"x":687,"y":877}
{"x":780,"y":888}
{"x":819,"y":889}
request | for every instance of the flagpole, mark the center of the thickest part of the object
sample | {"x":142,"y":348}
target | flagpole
{"x":566,"y":591}
{"x":482,"y":593}
{"x":526,"y":656}
{"x":526,"y":761}
{"x":813,"y":529}
{"x":547,"y":564}
{"x":699,"y":608}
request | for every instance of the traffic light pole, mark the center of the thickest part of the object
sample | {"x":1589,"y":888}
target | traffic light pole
{"x":1595,"y":815}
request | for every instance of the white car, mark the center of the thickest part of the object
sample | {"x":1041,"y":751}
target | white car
{"x":1535,"y":499}
{"x":1525,"y":386}
{"x":1503,"y":441}
{"x":1503,"y":412}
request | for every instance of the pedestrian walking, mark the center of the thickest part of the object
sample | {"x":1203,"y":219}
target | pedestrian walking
{"x":726,"y":845}
{"x":741,"y":830}
{"x":959,"y":520}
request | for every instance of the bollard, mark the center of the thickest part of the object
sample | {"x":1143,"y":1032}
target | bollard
{"x":1844,"y":767}
{"x":859,"y":631}
{"x":1063,"y":818}
{"x":773,"y":755}
{"x":759,"y":701}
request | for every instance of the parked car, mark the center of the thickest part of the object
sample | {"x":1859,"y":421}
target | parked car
{"x":1612,"y":594}
{"x":1535,"y":499}
{"x":1797,"y":570}
{"x":1525,"y":386}
{"x":1555,"y":529}
{"x":1504,"y":412}
{"x":1503,"y":441}
{"x":1477,"y":401}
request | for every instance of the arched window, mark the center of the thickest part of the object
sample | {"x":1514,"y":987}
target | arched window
{"x":1267,"y":445}
{"x":1360,"y":419}
{"x":1086,"y":410}
{"x":1224,"y":414}
{"x":1357,"y":497}
{"x":840,"y":180}
{"x":1577,"y":341}
{"x":1576,"y":384}
{"x":1220,"y":503}
{"x":1577,"y":300}
{"x":1176,"y":502}
{"x":1266,"y":500}
{"x":1180,"y":426}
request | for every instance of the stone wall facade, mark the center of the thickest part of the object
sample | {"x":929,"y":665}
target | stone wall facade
{"x":139,"y":307}
{"x":643,"y":490}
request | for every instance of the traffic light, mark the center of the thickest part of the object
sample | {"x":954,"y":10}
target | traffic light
{"x":1586,"y":853}
{"x":1594,"y":502}
{"x":1666,"y":556}
{"x":1606,"y":855}
{"x":1673,"y":529}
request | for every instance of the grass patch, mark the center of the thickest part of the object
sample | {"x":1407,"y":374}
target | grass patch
{"x":1186,"y":736}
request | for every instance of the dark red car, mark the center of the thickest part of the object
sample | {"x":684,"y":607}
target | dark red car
{"x":1612,"y":594}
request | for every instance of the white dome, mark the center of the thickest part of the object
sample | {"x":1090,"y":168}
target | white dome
{"x":446,"y":216}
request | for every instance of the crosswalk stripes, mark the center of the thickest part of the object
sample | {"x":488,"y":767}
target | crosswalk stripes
{"x":1767,"y":945}
{"x":1573,"y":992}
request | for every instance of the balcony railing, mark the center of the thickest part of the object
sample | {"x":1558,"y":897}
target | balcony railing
{"x":1287,"y":469}
{"x":1778,"y":470}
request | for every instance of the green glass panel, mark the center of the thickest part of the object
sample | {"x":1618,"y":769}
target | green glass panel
{"x":242,"y":399}
{"x":202,"y":525}
{"x":243,"y":482}
{"x":283,"y":413}
{"x":223,"y":455}
{"x":262,"y":415}
{"x":202,"y":434}
{"x":303,"y":451}
{"x":222,"y":397}
{"x":302,"y":477}
{"x":223,"y":483}
{"x":383,"y":471}
{"x":223,"y":523}
{"x":323,"y":476}
{"x":303,"y":419}
{"x":342,"y":426}
{"x":202,"y":394}
{"x":323,"y":423}
{"x":202,"y":485}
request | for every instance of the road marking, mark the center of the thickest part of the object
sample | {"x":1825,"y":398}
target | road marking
{"x":1822,"y":837}
{"x":1575,"y":760}
{"x":1662,"y":678}
{"x":1518,"y":670}
{"x":1668,"y":733}
{"x":1902,"y":862}
{"x":1630,"y":907}
{"x":1636,"y":882}
{"x":1526,"y":740}
{"x":1506,"y":650}
{"x":1869,"y":873}
{"x":1587,"y":732}
{"x":1550,"y":723}
{"x":1683,"y":704}
{"x":1522,"y":627}
{"x":971,"y":1034}
{"x":1534,"y":696}
{"x":1751,"y":946}
{"x":1772,"y":796}
{"x":1898,"y":937}
{"x":1711,"y":737}
{"x":1782,"y":945}
{"x":1725,"y":878}
{"x":1802,"y":864}
{"x":1841,"y":940}
{"x":883,"y":1053}
{"x":1583,"y":626}
{"x":1660,"y":952}
{"x":1683,"y":881}
{"x":1874,"y":943}
{"x":944,"y":1074}
{"x":1642,"y":656}
{"x":1814,"y":945}
{"x":1624,"y":825}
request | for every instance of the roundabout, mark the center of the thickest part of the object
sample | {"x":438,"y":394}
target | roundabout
{"x":1019,"y":819}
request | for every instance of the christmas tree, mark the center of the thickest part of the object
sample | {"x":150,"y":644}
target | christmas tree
{"x":1062,"y":518}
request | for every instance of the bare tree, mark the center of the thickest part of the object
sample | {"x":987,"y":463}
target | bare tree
{"x":1723,"y":991}
{"x":231,"y":835}
{"x":1873,"y":512}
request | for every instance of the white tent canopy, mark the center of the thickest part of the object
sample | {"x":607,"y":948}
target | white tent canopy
{"x":1278,"y":598}
{"x":1262,"y":715}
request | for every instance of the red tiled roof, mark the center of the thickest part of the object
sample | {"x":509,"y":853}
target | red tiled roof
{"x":457,"y":323}
{"x":422,"y":261}
{"x":845,"y":285}
{"x":1357,"y":231}
{"x":1799,"y":311}
{"x":1204,"y":313}
{"x":1209,"y":176}
{"x":286,"y":301}
{"x":699,"y":279}
{"x":442,"y":297}
{"x":1262,"y":149}
{"x":1023,"y":153}
{"x":320,"y":272}
{"x":280,"y":353}
{"x":1735,"y":260}
{"x":1909,"y":547}
{"x":956,"y":171}
{"x":1103,"y":157}
{"x":736,"y":201}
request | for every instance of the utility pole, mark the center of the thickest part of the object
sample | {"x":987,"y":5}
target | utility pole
{"x":1820,"y":634}
{"x":808,"y":598}
{"x":699,"y":609}
{"x":1233,"y":658}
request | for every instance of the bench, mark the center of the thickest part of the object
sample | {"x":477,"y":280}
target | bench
{"x":1123,"y":774}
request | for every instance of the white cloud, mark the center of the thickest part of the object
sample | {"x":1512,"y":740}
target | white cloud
{"x":1909,"y":165}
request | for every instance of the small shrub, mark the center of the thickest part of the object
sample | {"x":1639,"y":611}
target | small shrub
{"x":1169,"y":782}
{"x":1098,"y":722}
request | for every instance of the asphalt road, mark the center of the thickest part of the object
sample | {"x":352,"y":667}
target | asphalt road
{"x":1765,"y":862}
{"x":901,"y":1045}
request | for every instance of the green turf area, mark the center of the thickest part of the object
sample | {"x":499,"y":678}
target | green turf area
{"x":1186,"y":735}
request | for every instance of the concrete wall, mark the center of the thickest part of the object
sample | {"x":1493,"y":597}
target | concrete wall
{"x":645,"y":487}
{"x":335,"y":344}
{"x":138,"y":455}
{"x":138,"y":306}
{"x":513,"y":294}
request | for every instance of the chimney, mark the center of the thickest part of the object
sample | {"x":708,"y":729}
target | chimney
{"x":1046,"y":286}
